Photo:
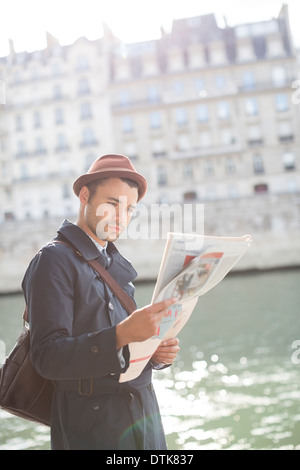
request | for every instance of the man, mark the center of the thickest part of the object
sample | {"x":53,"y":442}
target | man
{"x":79,"y":330}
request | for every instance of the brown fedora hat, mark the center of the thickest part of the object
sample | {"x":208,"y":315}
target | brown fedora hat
{"x":111,"y":166}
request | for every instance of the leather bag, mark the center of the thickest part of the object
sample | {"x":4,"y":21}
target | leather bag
{"x":23,"y":392}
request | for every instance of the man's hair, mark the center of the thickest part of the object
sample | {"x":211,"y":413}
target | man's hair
{"x":92,"y":187}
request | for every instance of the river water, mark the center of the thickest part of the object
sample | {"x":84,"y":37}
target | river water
{"x":235,"y":384}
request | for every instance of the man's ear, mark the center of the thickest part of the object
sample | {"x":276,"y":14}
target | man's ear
{"x":84,"y":195}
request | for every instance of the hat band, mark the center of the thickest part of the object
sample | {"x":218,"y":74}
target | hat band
{"x":112,"y":168}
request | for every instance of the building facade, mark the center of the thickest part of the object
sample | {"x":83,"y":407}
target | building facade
{"x":208,"y":113}
{"x":205,"y":112}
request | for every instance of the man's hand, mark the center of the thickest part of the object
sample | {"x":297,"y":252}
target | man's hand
{"x":142,"y":323}
{"x":166,"y":351}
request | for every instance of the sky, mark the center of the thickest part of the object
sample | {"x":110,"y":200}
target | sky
{"x":25,"y":22}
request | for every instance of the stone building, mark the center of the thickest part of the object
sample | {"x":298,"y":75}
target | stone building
{"x":208,"y":113}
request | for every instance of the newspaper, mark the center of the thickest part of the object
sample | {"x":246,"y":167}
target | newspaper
{"x":191,"y":265}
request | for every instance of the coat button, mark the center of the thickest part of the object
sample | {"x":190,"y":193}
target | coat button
{"x":110,"y":306}
{"x":95,"y":349}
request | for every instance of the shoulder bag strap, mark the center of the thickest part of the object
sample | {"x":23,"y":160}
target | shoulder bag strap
{"x":127,"y":302}
{"x":123,"y":297}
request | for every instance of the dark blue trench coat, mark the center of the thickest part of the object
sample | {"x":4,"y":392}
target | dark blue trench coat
{"x":73,"y":317}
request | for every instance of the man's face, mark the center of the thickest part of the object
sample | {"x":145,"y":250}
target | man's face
{"x":108,"y":212}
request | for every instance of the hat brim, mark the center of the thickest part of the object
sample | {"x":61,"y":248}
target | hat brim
{"x":111,"y":173}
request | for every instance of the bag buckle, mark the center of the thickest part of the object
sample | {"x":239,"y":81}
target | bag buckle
{"x":83,"y":391}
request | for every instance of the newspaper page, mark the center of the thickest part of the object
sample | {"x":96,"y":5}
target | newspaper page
{"x":190,"y":267}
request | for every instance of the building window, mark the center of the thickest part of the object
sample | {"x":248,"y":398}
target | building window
{"x":153,"y":94}
{"x":158,"y":149}
{"x":202,"y":113}
{"x":9,"y":216}
{"x":61,"y":143}
{"x":285,"y":132}
{"x":230,"y":165}
{"x":200,"y":87}
{"x":21,"y":149}
{"x":255,"y":135}
{"x":223,"y":110}
{"x":258,"y":164}
{"x":88,"y":137}
{"x":35,"y":74}
{"x":82,"y":63}
{"x":204,"y":139}
{"x":23,"y":172}
{"x":83,"y":86}
{"x":233,"y":191}
{"x":288,"y":159}
{"x":5,"y":175}
{"x":89,"y":159}
{"x":37,"y":120}
{"x":2,"y":92}
{"x":131,"y":150}
{"x":19,"y":123}
{"x":251,"y":106}
{"x":248,"y":81}
{"x":127,"y":124}
{"x":161,"y":176}
{"x":226,"y":137}
{"x":188,"y":172}
{"x":281,"y":102}
{"x":181,"y":116}
{"x":56,"y":69}
{"x":155,"y":120}
{"x":278,"y":76}
{"x":209,"y":168}
{"x":183,"y":142}
{"x":39,"y":146}
{"x":275,"y":48}
{"x":190,"y":196}
{"x":85,"y":111}
{"x":136,"y":67}
{"x":124,"y":98}
{"x":178,"y":88}
{"x":292,"y":185}
{"x":211,"y":194}
{"x":66,"y":193}
{"x":220,"y":82}
{"x":42,"y":169}
{"x":59,"y":116}
{"x":17,"y":77}
{"x":261,"y":188}
{"x":57,"y":92}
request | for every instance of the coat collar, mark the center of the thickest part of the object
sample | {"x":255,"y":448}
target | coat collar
{"x":120,"y":268}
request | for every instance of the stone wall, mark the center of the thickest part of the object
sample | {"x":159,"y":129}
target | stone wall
{"x":273,"y":221}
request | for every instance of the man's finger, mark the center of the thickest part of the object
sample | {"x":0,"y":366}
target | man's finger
{"x":163,"y":304}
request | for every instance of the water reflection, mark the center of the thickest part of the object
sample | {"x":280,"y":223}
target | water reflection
{"x":18,"y":434}
{"x":231,"y":407}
